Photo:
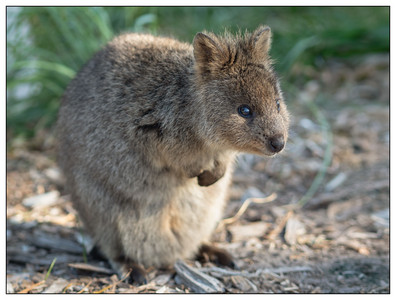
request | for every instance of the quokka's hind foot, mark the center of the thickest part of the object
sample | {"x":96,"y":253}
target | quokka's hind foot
{"x":96,"y":254}
{"x":137,"y":273}
{"x":216,"y":255}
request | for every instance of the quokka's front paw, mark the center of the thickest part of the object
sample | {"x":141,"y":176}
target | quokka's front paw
{"x":207,"y":178}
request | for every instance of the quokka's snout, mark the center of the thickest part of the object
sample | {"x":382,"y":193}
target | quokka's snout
{"x":276,"y":143}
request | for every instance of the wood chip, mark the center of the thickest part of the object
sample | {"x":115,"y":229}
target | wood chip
{"x":381,"y":218}
{"x":244,"y":284}
{"x":91,"y":268}
{"x":197,"y":281}
{"x":335,"y":182}
{"x":10,"y":288}
{"x":355,"y":245}
{"x":43,"y":200}
{"x":243,"y":232}
{"x":294,"y":229}
{"x":165,"y":289}
{"x":162,"y":279}
{"x":56,"y":287}
{"x":340,"y":211}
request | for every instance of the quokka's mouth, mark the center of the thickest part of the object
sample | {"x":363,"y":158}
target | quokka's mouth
{"x":272,"y":146}
{"x":263,"y":151}
{"x":269,"y":151}
{"x":269,"y":154}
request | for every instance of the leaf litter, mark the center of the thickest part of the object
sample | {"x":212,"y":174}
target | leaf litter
{"x":334,"y":241}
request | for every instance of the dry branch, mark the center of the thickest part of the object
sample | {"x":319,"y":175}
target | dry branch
{"x":32,"y":287}
{"x":244,"y":206}
{"x":197,"y":281}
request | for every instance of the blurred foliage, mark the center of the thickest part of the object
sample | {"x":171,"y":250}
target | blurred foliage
{"x":46,"y":46}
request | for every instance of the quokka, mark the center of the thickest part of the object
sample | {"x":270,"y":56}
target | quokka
{"x":148,"y":133}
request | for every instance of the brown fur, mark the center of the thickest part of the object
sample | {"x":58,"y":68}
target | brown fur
{"x":148,"y":132}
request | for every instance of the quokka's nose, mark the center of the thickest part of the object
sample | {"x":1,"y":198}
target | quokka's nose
{"x":276,"y":143}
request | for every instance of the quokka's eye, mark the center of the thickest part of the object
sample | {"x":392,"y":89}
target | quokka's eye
{"x":278,"y":105}
{"x":245,"y":111}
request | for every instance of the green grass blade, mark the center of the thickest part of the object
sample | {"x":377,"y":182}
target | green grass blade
{"x":45,"y":65}
{"x":327,"y":158}
{"x":50,"y":269}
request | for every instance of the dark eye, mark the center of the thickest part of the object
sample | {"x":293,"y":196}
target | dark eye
{"x":278,"y":105}
{"x":245,"y":111}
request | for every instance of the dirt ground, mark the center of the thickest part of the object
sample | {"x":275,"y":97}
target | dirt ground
{"x":326,"y":231}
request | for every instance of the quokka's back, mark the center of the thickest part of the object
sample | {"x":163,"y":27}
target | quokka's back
{"x":148,"y":131}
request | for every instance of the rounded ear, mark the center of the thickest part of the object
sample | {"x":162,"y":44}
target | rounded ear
{"x":208,"y":54}
{"x":261,"y":42}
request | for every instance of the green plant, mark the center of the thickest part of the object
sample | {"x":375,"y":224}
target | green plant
{"x":50,"y":269}
{"x":46,"y":46}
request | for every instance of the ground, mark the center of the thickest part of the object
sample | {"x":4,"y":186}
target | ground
{"x":326,"y":231}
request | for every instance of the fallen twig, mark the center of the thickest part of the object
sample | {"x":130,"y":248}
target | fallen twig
{"x":67,"y":287}
{"x":354,"y":245}
{"x":24,"y":291}
{"x":85,"y":287}
{"x":113,"y":285}
{"x":150,"y":285}
{"x":32,"y":287}
{"x":91,"y":268}
{"x":244,"y":206}
{"x":278,"y":229}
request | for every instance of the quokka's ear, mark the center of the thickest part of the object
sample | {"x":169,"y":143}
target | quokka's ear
{"x":209,"y":55}
{"x":261,"y":42}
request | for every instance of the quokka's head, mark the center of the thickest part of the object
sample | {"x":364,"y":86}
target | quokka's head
{"x":243,"y":105}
